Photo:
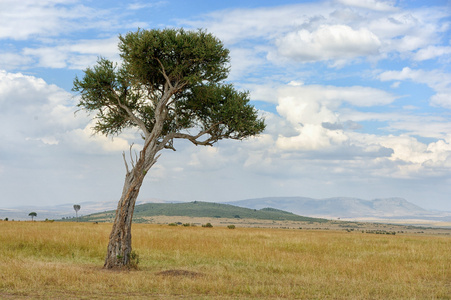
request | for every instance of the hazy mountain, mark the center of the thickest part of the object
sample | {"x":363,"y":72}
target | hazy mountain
{"x":342,"y":207}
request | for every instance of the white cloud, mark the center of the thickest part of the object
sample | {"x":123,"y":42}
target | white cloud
{"x":370,"y":4}
{"x":83,"y":140}
{"x":338,"y":32}
{"x":438,"y":81}
{"x":315,"y":103}
{"x":21,"y":19}
{"x":32,"y":110}
{"x":432,"y":52}
{"x":313,"y":125}
{"x":308,"y":108}
{"x":11,"y":60}
{"x":138,"y":5}
{"x":312,"y":137}
{"x":74,"y":55}
{"x":328,"y":43}
{"x":235,"y":25}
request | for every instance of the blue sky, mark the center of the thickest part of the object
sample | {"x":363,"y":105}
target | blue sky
{"x":356,"y":95}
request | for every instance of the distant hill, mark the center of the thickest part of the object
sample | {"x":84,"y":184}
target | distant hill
{"x":202,"y":209}
{"x":340,"y":207}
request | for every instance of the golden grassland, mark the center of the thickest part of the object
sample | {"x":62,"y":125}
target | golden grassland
{"x":46,"y":260}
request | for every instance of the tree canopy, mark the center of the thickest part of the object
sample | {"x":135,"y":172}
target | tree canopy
{"x":169,"y":81}
{"x":32,"y":215}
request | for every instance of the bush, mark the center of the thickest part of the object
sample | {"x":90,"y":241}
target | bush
{"x":207,"y":225}
{"x":134,"y":260}
{"x":231,"y":226}
{"x":172,"y":224}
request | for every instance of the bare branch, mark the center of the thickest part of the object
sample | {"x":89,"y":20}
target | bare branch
{"x":126,"y":165}
{"x":192,"y":138}
{"x":131,"y":157}
{"x":169,"y":145}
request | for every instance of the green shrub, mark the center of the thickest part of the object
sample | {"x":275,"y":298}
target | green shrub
{"x":133,"y":260}
{"x":207,"y":225}
{"x":172,"y":224}
{"x":231,"y":226}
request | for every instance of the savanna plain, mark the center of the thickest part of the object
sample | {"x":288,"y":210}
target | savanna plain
{"x":57,"y":260}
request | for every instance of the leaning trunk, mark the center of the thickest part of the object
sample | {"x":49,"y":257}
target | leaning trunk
{"x":120,"y":244}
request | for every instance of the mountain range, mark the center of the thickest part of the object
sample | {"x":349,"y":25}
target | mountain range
{"x":342,"y":207}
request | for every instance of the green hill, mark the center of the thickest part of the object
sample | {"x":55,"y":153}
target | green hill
{"x":201,"y":209}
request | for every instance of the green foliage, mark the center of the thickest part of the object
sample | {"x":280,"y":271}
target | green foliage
{"x":187,"y":56}
{"x":231,"y":226}
{"x":208,"y":225}
{"x":171,"y":75}
{"x":133,"y":258}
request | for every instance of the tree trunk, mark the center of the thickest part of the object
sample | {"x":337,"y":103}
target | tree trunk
{"x":120,"y":244}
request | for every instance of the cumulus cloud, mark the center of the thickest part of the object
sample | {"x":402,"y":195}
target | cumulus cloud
{"x":328,"y":43}
{"x":311,"y":137}
{"x":316,"y":104}
{"x":314,"y":113}
{"x":33,"y":111}
{"x":313,"y":125}
{"x":31,"y":106}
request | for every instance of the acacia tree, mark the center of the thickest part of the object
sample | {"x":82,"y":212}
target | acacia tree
{"x":77,"y":208}
{"x":170,"y":85}
{"x":32,"y":215}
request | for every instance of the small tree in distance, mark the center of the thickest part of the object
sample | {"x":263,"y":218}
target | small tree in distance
{"x":32,"y":215}
{"x":169,"y":86}
{"x":76,"y":208}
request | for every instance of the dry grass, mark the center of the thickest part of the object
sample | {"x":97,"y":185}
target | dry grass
{"x":64,"y":260}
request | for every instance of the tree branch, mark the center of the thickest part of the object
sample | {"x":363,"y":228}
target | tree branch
{"x":192,"y":138}
{"x":132,"y":116}
{"x":125,"y":161}
{"x":131,"y":157}
{"x":163,"y":71}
